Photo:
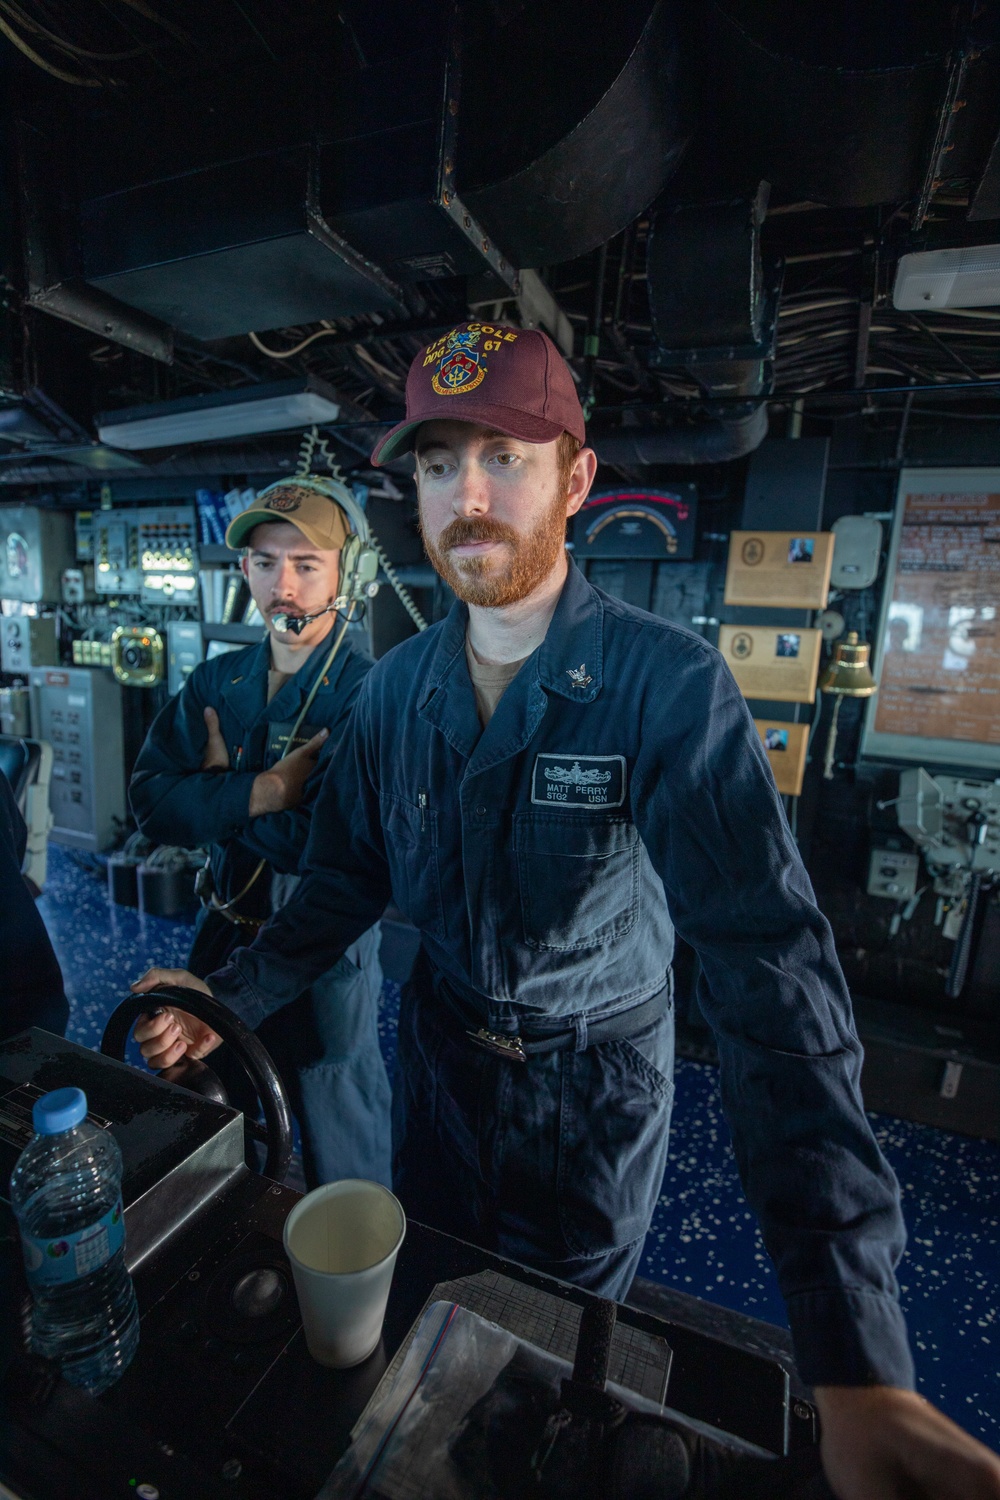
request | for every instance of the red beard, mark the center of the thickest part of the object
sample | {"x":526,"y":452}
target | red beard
{"x":490,"y":582}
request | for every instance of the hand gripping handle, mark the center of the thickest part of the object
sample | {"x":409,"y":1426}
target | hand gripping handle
{"x":247,"y":1047}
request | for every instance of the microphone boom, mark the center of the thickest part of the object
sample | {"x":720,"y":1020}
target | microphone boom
{"x":283,"y":623}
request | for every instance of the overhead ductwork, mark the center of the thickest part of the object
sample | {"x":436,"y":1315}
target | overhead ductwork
{"x":713,"y":304}
{"x":706,"y":274}
{"x":831,"y":104}
{"x":713,"y":440}
{"x":716,"y":440}
{"x":322,"y":187}
{"x":239,"y":246}
{"x":591,"y":123}
{"x":96,"y":462}
{"x":335,"y":184}
{"x":32,"y":420}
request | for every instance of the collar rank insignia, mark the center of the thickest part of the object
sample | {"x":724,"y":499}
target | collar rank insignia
{"x":578,"y":675}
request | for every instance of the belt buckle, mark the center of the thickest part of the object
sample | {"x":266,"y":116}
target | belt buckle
{"x":501,"y":1045}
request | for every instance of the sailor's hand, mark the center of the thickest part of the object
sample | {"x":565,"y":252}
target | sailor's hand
{"x":881,"y":1443}
{"x":216,"y":757}
{"x":167,"y":1034}
{"x":281,"y":787}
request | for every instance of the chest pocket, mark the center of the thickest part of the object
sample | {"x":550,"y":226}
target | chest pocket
{"x":411,"y":844}
{"x":578,"y":879}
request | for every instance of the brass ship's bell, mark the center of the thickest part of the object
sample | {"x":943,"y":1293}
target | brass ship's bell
{"x":849,"y":673}
{"x":847,"y":676}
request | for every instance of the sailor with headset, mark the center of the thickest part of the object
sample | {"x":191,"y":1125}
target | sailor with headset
{"x":233,"y":763}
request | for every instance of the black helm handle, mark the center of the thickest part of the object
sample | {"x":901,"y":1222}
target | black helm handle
{"x":248,"y":1051}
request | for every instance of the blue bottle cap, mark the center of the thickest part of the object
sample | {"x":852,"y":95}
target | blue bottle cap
{"x":60,"y":1110}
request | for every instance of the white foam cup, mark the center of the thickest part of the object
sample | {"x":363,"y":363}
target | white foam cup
{"x":342,"y":1240}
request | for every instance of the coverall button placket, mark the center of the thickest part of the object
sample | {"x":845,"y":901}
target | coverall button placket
{"x":480,"y":827}
{"x":490,"y":791}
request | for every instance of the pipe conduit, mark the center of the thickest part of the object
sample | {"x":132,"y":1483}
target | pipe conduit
{"x":714,"y":441}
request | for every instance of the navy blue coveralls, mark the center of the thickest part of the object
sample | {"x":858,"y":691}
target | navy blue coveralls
{"x":326,"y":1044}
{"x":619,"y":791}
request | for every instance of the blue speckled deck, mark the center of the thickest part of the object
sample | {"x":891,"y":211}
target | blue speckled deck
{"x":704,"y":1239}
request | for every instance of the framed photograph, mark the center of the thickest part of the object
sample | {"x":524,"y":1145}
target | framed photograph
{"x":788,"y":643}
{"x":800,"y":549}
{"x":775,"y":739}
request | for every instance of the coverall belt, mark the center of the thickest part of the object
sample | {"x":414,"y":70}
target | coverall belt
{"x":234,"y":917}
{"x":518,"y":1048}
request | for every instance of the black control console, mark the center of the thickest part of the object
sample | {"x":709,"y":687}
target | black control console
{"x":222,"y":1397}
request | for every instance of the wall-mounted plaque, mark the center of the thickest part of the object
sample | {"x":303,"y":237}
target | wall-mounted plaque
{"x":770,"y":662}
{"x":785,"y":569}
{"x":786,"y":750}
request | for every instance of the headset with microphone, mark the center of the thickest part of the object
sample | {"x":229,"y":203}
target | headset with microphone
{"x":359,"y":556}
{"x":297,"y":623}
{"x":359,"y":561}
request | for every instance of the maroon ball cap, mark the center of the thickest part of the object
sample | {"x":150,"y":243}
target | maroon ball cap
{"x":511,"y":379}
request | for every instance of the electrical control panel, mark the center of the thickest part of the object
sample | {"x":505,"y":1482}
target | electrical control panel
{"x":115,"y":544}
{"x":80,"y":713}
{"x":15,"y":711}
{"x":893,"y":874}
{"x":78,"y":585}
{"x":168,"y":554}
{"x":150,"y":551}
{"x":27,"y":641}
{"x":185,"y":650}
{"x":83,"y":522}
{"x":92,"y":653}
{"x":35,"y":546}
{"x":955,"y":821}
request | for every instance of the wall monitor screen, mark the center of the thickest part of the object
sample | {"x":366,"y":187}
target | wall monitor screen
{"x":938,"y":651}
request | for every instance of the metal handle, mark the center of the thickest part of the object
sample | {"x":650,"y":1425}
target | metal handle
{"x":963,"y":944}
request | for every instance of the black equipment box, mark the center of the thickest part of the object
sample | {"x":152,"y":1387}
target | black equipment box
{"x":178,"y":1151}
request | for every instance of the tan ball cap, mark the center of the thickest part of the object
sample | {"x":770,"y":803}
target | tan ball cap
{"x":319,"y":518}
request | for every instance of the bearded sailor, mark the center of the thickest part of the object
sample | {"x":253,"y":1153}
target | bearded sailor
{"x":551,"y":782}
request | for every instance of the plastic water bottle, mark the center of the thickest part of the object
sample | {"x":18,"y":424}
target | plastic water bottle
{"x":66,"y":1194}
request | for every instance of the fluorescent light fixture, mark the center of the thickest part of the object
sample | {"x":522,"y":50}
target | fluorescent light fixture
{"x":279,"y":406}
{"x":929,"y":279}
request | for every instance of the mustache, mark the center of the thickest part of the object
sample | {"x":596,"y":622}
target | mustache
{"x":463,"y":530}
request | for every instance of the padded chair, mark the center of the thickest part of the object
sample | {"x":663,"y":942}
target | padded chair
{"x":27,"y":765}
